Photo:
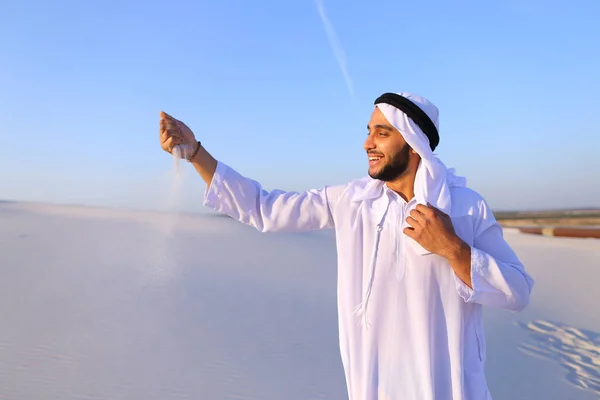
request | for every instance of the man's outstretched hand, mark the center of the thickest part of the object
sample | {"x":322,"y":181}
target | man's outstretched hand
{"x":174,"y":132}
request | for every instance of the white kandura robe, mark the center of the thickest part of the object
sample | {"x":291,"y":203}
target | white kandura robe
{"x":424,"y":338}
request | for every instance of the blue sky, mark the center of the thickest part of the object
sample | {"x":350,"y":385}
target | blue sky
{"x":82,"y":83}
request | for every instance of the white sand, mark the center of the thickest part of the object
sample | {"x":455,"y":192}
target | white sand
{"x":109,"y":304}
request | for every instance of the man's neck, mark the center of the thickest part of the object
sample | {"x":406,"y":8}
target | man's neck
{"x":404,"y":186}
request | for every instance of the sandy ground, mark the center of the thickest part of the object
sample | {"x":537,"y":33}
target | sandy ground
{"x":109,"y":304}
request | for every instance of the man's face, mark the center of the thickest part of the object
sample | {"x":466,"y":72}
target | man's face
{"x":388,"y":152}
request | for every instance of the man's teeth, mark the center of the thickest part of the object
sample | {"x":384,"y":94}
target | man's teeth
{"x":374,"y":158}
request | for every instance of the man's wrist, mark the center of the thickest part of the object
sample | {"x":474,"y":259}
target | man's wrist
{"x":195,"y":152}
{"x":458,"y":250}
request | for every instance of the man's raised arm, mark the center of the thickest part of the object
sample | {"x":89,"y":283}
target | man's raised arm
{"x":244,"y":199}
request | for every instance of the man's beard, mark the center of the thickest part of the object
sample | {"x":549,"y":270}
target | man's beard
{"x":395,"y":168}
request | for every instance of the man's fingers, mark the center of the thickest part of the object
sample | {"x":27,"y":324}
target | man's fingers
{"x":171,"y":142}
{"x":165,"y":115}
{"x":412,"y":222}
{"x":437,"y":210}
{"x":428,"y":212}
{"x":417,"y":215}
{"x":168,"y":144}
{"x":166,"y":134}
{"x":410,"y":232}
{"x":171,"y":131}
{"x":169,"y":124}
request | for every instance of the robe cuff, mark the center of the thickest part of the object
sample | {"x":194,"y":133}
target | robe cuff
{"x":479,"y":268}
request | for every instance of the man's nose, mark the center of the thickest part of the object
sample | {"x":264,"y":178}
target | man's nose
{"x":369,"y":144}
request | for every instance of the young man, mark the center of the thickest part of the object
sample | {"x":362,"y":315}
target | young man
{"x":419,"y":254}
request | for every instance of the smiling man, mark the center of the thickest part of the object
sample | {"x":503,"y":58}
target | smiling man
{"x":419,"y":254}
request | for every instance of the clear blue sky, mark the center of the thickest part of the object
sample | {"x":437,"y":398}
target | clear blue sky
{"x":517,"y":83}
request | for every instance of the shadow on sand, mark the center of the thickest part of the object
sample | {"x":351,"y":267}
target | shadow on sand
{"x":576,"y":350}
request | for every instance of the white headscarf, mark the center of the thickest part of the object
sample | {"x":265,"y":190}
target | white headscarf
{"x":433,"y":179}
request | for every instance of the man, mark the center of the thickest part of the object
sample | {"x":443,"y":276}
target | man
{"x":419,"y":254}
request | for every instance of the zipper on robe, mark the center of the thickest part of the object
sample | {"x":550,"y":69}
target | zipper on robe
{"x":361,"y":309}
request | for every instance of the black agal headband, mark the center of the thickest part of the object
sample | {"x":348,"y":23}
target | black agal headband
{"x":415,"y":113}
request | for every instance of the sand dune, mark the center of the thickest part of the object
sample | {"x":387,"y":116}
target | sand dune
{"x":111,"y":304}
{"x":577,"y":350}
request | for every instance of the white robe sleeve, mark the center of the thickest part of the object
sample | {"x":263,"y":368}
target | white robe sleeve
{"x":498,"y":277}
{"x":268,"y":211}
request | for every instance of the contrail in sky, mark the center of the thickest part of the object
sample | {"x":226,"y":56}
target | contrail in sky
{"x":336,"y":46}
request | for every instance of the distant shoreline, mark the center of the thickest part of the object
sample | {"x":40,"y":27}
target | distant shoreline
{"x":567,"y":218}
{"x":564,"y":223}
